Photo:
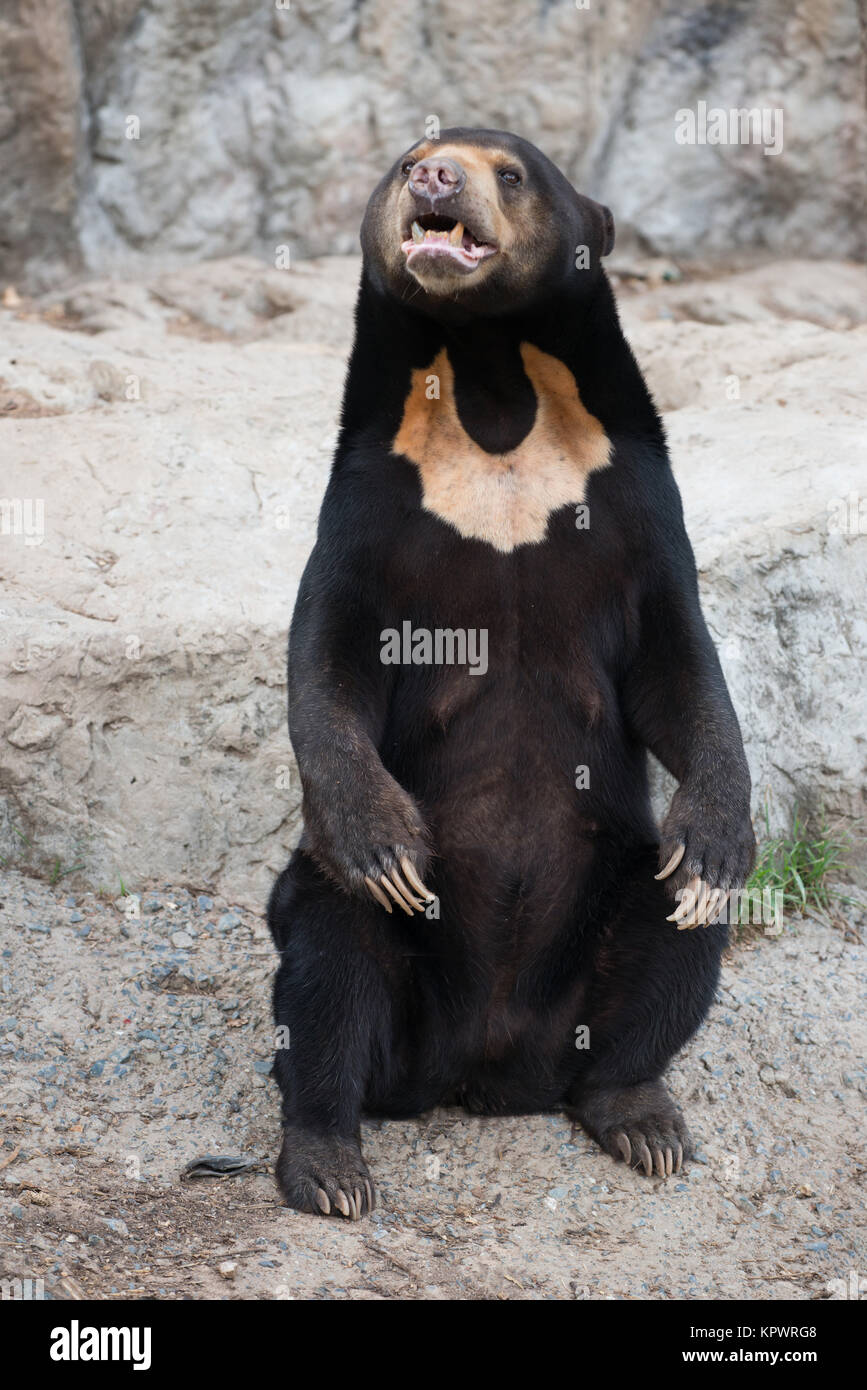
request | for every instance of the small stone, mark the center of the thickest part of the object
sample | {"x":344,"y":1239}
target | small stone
{"x":226,"y":1269}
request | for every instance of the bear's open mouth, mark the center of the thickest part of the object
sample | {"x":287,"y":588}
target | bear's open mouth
{"x":434,"y":235}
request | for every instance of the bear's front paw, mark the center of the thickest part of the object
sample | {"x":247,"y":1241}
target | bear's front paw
{"x":385,"y":867}
{"x":707,"y":850}
{"x":377,"y":851}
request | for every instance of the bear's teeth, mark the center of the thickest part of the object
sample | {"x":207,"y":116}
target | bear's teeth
{"x":417,"y":232}
{"x":456,"y":234}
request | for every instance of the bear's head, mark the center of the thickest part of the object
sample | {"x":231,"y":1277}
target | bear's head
{"x":481,"y":220}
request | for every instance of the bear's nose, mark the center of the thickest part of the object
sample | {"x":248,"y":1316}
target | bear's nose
{"x":436,"y":178}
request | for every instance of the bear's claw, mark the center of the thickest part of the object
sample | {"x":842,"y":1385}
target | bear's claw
{"x":377,"y":893}
{"x":699,"y":905}
{"x":666,"y":1160}
{"x":663,"y":1156}
{"x":397,"y":889}
{"x":672,"y":863}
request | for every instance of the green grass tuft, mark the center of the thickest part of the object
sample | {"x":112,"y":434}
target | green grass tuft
{"x":805,"y":866}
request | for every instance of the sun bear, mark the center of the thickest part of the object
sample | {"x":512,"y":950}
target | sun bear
{"x":481,"y":910}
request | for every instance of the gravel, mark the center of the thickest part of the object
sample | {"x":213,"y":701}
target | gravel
{"x":141,"y":1040}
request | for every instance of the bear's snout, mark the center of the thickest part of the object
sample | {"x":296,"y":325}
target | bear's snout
{"x":435,"y":179}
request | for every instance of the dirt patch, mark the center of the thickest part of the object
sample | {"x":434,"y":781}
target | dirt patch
{"x":18,"y":404}
{"x":135,"y":1036}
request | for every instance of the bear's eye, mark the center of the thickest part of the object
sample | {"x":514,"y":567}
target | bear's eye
{"x":511,"y":176}
{"x":406,"y":166}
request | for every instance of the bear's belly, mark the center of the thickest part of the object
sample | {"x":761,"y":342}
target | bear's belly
{"x":522,"y":866}
{"x":507,"y":789}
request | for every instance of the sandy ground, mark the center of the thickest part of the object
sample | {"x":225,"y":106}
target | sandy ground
{"x":132,"y":1044}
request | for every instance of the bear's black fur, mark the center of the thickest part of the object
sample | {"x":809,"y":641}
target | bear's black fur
{"x":548,"y":912}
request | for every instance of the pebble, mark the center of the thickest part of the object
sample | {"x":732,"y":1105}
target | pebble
{"x":115,"y":1224}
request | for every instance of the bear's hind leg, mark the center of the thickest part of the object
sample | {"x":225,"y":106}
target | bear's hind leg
{"x":650,"y":988}
{"x":331,"y":1009}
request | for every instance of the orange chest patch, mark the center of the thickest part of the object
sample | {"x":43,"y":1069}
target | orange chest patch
{"x":504,"y":499}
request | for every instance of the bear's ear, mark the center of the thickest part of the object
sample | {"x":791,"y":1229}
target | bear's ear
{"x":607,"y":229}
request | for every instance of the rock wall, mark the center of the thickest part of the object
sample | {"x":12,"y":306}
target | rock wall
{"x":184,"y":129}
{"x":168,"y":442}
